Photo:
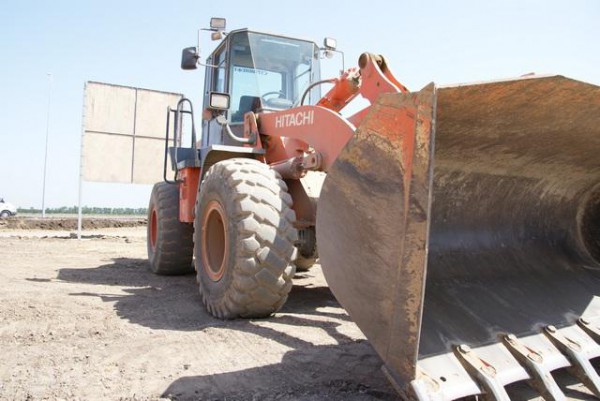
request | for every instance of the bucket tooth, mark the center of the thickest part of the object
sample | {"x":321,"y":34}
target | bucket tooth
{"x":590,"y":329}
{"x":581,"y":367}
{"x":482,"y":372}
{"x":541,"y":378}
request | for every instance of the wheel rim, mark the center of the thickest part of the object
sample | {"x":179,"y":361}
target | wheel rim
{"x":215,"y":241}
{"x":153,"y":229}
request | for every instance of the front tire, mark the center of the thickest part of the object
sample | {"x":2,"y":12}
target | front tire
{"x":244,"y":240}
{"x":170,"y":242}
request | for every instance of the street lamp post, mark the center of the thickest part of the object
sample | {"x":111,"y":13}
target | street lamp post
{"x":49,"y":74}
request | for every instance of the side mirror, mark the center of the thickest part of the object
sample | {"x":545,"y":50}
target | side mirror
{"x":218,"y":101}
{"x":189,"y":58}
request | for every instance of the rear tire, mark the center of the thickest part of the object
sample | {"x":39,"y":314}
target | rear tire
{"x":5,"y":214}
{"x":170,"y":242}
{"x":244,"y":240}
{"x":307,"y":250}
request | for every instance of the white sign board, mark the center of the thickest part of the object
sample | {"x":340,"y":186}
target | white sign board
{"x":124,"y":133}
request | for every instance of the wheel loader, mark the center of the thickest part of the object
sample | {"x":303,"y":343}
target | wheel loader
{"x":458,"y":225}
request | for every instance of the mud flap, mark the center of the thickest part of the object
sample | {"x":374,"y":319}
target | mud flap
{"x":460,"y":223}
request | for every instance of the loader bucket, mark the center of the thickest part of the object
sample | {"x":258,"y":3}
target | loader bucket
{"x":460,"y":228}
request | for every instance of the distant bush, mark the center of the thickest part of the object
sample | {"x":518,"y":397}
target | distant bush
{"x":30,"y":210}
{"x":88,"y":210}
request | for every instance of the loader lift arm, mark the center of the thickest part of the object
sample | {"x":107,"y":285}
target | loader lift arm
{"x":321,"y":127}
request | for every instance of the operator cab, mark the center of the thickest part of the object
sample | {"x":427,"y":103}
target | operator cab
{"x":259,"y":72}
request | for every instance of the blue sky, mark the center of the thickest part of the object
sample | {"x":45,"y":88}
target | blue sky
{"x":138,"y":43}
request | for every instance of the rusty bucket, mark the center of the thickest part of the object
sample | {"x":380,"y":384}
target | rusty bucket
{"x":460,"y":228}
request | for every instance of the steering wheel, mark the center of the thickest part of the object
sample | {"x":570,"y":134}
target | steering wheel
{"x":264,"y":96}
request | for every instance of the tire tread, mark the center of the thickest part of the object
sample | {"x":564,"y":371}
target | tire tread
{"x":175,"y":246}
{"x":266,"y":240}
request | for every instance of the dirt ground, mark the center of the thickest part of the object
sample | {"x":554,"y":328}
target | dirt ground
{"x":70,"y":223}
{"x":86,"y":320}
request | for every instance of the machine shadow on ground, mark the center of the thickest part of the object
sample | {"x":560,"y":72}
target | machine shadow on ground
{"x":349,"y":369}
{"x":150,"y":300}
{"x":326,"y":372}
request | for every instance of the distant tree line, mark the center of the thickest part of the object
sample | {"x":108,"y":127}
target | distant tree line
{"x":87,"y":210}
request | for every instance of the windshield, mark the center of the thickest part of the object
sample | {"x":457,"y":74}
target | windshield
{"x":270,"y":72}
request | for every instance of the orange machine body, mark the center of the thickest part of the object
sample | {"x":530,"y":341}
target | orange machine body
{"x":188,"y":189}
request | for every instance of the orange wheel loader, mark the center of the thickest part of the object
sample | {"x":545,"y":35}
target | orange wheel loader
{"x":459,"y":226}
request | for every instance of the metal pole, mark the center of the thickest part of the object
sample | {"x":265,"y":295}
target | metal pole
{"x":79,"y":211}
{"x":49,"y":74}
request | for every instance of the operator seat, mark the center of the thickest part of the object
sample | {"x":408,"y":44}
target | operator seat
{"x":247,"y":103}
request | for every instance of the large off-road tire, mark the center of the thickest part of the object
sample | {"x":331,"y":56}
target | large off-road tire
{"x":170,"y":242}
{"x":244,"y":239}
{"x":5,"y":214}
{"x":307,"y":249}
